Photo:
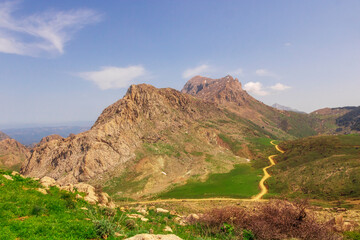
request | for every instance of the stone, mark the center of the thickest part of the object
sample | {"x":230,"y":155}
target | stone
{"x":167,"y":229}
{"x":8,"y":177}
{"x":154,"y":237}
{"x":47,"y":181}
{"x":161,"y":210}
{"x":144,"y":219}
{"x":134,"y":215}
{"x":42,"y":190}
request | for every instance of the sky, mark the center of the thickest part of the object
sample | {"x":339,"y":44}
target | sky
{"x":65,"y":61}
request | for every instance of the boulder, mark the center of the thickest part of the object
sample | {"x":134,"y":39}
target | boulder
{"x":47,"y":181}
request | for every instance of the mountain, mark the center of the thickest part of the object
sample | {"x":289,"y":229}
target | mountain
{"x":152,"y":139}
{"x":31,"y":136}
{"x":12,"y":154}
{"x":284,"y":108}
{"x":3,"y":136}
{"x":227,"y":92}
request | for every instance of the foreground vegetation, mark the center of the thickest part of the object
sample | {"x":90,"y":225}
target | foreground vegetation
{"x":325,"y":167}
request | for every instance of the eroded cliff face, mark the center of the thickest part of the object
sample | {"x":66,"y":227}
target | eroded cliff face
{"x":141,"y":116}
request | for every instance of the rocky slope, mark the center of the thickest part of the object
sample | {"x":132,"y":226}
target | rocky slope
{"x":12,"y":154}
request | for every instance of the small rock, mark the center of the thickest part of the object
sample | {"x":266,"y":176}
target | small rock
{"x":154,"y":237}
{"x":8,"y":177}
{"x":143,"y":211}
{"x":193,"y":216}
{"x":144,"y":219}
{"x":35,"y":178}
{"x":43,"y":191}
{"x":167,"y":229}
{"x":84,"y":208}
{"x":134,"y":216}
{"x":161,"y":210}
{"x":14,"y":173}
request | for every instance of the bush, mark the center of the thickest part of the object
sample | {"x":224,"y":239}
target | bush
{"x":273,"y":220}
{"x":105,"y":228}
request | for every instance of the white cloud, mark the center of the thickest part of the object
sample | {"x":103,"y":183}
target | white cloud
{"x":279,"y":87}
{"x":114,"y":77}
{"x":238,"y":72}
{"x":191,"y":72}
{"x":288,"y":44}
{"x":265,"y":73}
{"x":45,"y":32}
{"x":256,"y":88}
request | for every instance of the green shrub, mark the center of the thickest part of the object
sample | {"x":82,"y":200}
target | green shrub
{"x":105,"y":227}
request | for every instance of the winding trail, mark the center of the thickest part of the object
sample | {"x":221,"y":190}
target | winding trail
{"x":258,"y":197}
{"x":262,"y":186}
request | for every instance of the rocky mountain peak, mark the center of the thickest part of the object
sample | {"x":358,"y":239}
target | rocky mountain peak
{"x":223,"y":90}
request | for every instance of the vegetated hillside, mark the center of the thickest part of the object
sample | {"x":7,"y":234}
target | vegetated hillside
{"x":328,"y":122}
{"x":12,"y":154}
{"x":156,"y":138}
{"x":227,"y":92}
{"x":324,"y":167}
{"x":350,"y":120}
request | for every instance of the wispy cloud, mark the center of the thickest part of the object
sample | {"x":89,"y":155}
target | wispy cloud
{"x":287,"y":44}
{"x":279,"y":87}
{"x":266,"y":73}
{"x":238,"y":72}
{"x":256,"y":88}
{"x":191,"y":72}
{"x":114,"y":77}
{"x":46,"y":32}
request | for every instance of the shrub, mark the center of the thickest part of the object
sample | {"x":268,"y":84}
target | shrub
{"x":273,"y":220}
{"x":105,"y":227}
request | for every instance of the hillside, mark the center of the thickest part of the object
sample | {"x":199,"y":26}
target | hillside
{"x":350,"y":121}
{"x":12,"y":154}
{"x":331,"y":120}
{"x":154,"y":138}
{"x":324,"y":167}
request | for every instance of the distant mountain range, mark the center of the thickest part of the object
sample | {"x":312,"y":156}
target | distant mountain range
{"x":29,"y":136}
{"x":284,"y":108}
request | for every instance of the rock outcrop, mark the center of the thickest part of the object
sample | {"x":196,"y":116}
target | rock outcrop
{"x":12,"y":154}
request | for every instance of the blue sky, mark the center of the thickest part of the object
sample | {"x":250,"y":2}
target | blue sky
{"x":65,"y":61}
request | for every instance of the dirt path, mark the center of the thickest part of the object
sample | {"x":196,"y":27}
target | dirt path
{"x":262,"y":186}
{"x":258,"y":197}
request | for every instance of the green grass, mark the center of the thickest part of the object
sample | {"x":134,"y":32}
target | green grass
{"x":28,"y":214}
{"x":241,"y":182}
